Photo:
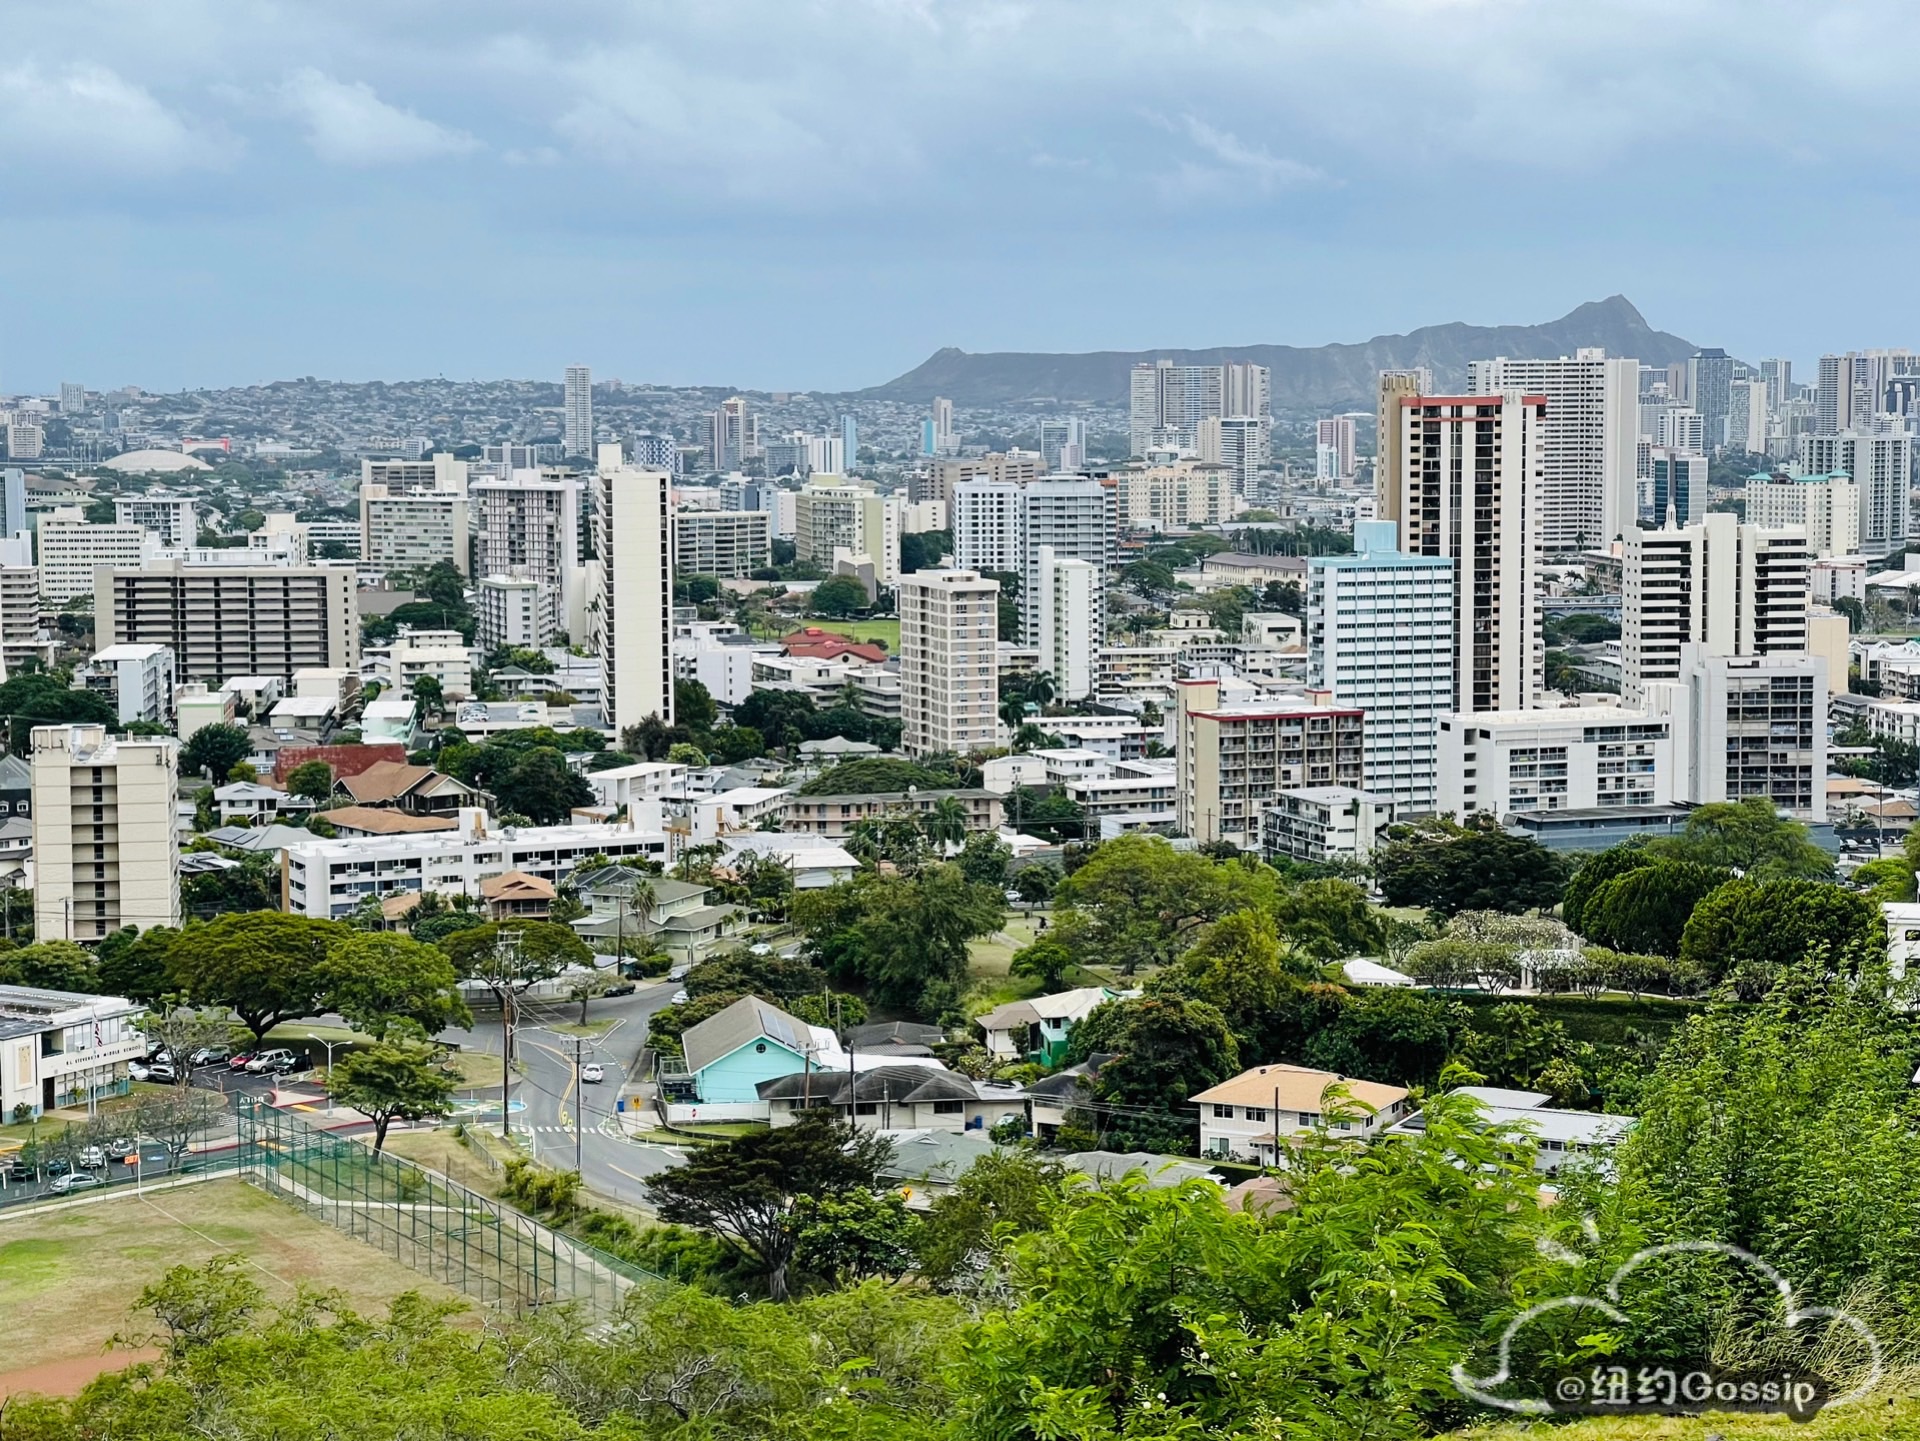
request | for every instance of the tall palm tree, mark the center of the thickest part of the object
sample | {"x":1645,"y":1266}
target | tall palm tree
{"x":1013,"y":710}
{"x":1041,"y":690}
{"x":945,"y":822}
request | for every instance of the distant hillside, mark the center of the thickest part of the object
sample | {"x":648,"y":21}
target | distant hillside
{"x":1326,"y":377}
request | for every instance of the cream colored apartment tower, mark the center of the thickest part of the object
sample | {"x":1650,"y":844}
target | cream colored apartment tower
{"x":949,"y":675}
{"x":106,"y":846}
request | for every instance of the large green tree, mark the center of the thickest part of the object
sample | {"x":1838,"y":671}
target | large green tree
{"x":380,"y":980}
{"x":903,"y":937}
{"x":213,"y":750}
{"x":1750,"y":932}
{"x":266,"y":966}
{"x":1646,"y":909}
{"x":1138,"y":901}
{"x":1749,"y":836}
{"x":1167,"y":1049}
{"x":388,"y":1082}
{"x":542,"y":787}
{"x":37,"y":698}
{"x":1444,"y":866}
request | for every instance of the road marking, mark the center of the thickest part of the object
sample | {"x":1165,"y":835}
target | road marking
{"x":622,"y":1170}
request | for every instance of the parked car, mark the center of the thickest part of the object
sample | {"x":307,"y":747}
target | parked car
{"x":210,"y":1056}
{"x":276,"y":1062}
{"x":17,"y":1171}
{"x":140,"y":1070}
{"x":240,"y":1060}
{"x":73,"y":1181}
{"x":593,"y":1071}
{"x":93,"y":1158}
{"x":161,"y":1072}
{"x":121,"y":1147}
{"x":759,"y":948}
{"x":680,"y":997}
{"x":620,"y":988}
{"x":58,"y":1165}
{"x":1014,"y":898}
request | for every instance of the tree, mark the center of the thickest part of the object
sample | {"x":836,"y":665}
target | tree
{"x":1169,"y":1049}
{"x":133,"y":963}
{"x":175,"y":1117}
{"x":746,"y":1190}
{"x":772,"y":976}
{"x":694,"y":706}
{"x":266,"y":966}
{"x":735,"y":743}
{"x":854,"y":1235}
{"x":904,"y":937}
{"x":683,"y":753}
{"x":1386,"y":1033}
{"x":874,"y":775}
{"x":1447,"y":867}
{"x":1137,"y":899}
{"x":312,"y":781}
{"x":509,"y":958}
{"x":839,"y":596}
{"x":1330,"y":919}
{"x":945,"y":822}
{"x":1750,"y":837}
{"x":969,"y":1227}
{"x":51,"y":966}
{"x":28,"y":700}
{"x":428,"y":693}
{"x":380,"y":980}
{"x":1751,"y":931}
{"x":1593,"y":872}
{"x":388,"y":1082}
{"x":542,"y":787}
{"x":1047,"y":960}
{"x":182,"y":1029}
{"x":1646,"y":909}
{"x":214,"y":750}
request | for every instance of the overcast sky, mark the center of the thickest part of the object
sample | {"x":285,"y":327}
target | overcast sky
{"x":815,"y":194}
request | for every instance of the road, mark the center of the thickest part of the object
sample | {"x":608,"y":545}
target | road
{"x":567,"y":1121}
{"x":155,"y":1165}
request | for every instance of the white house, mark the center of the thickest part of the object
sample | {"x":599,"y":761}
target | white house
{"x":1250,"y":1114}
{"x":1560,"y":1134}
{"x":56,"y":1046}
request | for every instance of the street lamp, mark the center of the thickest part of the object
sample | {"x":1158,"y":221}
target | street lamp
{"x":329,"y":1045}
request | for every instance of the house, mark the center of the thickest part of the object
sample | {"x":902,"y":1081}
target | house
{"x":814,"y":861}
{"x":376,"y":821}
{"x":16,"y":787}
{"x":1161,"y":1173}
{"x":1557,"y":1134}
{"x":895,"y":1038}
{"x":831,"y":750}
{"x":259,"y":838}
{"x":515,"y":895}
{"x":680,"y":913}
{"x":926,"y":1163}
{"x":813,"y":643}
{"x":1249,"y":1114}
{"x":1051,"y":1099}
{"x":250,"y":803}
{"x":60,"y":1048}
{"x":729,"y":1055}
{"x":901,"y":1093}
{"x":1037,"y":1029}
{"x":417,"y":790}
{"x":835,"y":816}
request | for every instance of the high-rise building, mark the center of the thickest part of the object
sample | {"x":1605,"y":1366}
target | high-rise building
{"x":578,"y":436}
{"x":1710,"y":386}
{"x":1063,"y":444}
{"x":1246,"y":390}
{"x":1747,"y":414}
{"x":949,"y":638}
{"x":511,"y":610}
{"x":1177,"y":495}
{"x":136,"y":680}
{"x":1380,"y":639}
{"x":654,"y":452}
{"x":1076,"y":520}
{"x":1168,"y":401}
{"x":228,"y":620}
{"x":106,"y":841}
{"x":937,"y":480}
{"x":13,"y":496}
{"x":946,"y":439}
{"x":849,"y":442}
{"x":1676,"y":486}
{"x":1576,"y":758}
{"x":989,"y":527}
{"x":1882,"y":466}
{"x":1336,"y":434}
{"x":633,"y":622}
{"x":1233,"y":760}
{"x":1469,"y":491}
{"x":1778,"y":375}
{"x":733,"y":435}
{"x":1242,"y":443}
{"x":25,"y":440}
{"x":73,"y":397}
{"x":529,"y":525}
{"x":1394,"y":387}
{"x":1823,"y":508}
{"x":1737,"y":590}
{"x":725,"y":544}
{"x":170,"y":517}
{"x":1748,"y":727}
{"x":413,"y":514}
{"x":71,"y":550}
{"x":1066,"y":606}
{"x":833,"y":514}
{"x":1681,"y":427}
{"x":1587,"y":495}
{"x":1856,"y":387}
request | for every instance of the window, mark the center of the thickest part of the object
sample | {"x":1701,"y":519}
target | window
{"x":867,"y":1108}
{"x":949,"y":1108}
{"x":1223,"y":1113}
{"x":1256,"y":1113}
{"x":1309,"y":1118}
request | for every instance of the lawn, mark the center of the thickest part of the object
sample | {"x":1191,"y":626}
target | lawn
{"x":887,"y":631}
{"x":442,"y":1151}
{"x":69,"y":1278}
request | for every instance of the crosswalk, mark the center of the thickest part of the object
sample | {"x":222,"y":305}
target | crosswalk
{"x":552,"y":1130}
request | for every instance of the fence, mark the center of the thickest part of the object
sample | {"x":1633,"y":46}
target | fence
{"x":475,"y":1244}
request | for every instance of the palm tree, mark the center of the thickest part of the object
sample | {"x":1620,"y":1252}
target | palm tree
{"x":1013,"y":711}
{"x":1041,"y":691}
{"x":945,"y":822}
{"x":1030,"y":738}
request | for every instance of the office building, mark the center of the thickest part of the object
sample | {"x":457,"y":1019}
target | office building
{"x":1676,"y":487}
{"x":106,"y":844}
{"x":1234,"y":760}
{"x":170,"y":517}
{"x":1823,"y":508}
{"x":1394,"y":387}
{"x":1587,"y":495}
{"x":1746,"y":727}
{"x":577,"y":434}
{"x":1333,"y":438}
{"x":1469,"y":491}
{"x":1710,"y":390}
{"x":1063,"y":444}
{"x":839,"y":519}
{"x":633,"y":623}
{"x":733,"y":435}
{"x":222,"y":621}
{"x":25,"y":441}
{"x":528,"y":524}
{"x":1747,"y":416}
{"x":1067,"y":608}
{"x":72,"y":550}
{"x":1380,"y":639}
{"x":1175,"y":495}
{"x":1882,"y":466}
{"x":136,"y":680}
{"x":1733,"y":589}
{"x":413,"y":515}
{"x":726,"y":544}
{"x":511,"y":610}
{"x":949,"y":682}
{"x":73,"y":397}
{"x":1578,"y":758}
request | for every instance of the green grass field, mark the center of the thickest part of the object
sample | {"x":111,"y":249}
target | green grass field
{"x":69,"y":1278}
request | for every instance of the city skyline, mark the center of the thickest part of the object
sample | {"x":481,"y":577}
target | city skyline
{"x":233,"y":199}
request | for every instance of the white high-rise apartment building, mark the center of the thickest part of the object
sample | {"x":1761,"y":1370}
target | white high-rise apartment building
{"x":1681,"y":427}
{"x":633,"y":622}
{"x":71,"y":550}
{"x":136,"y":680}
{"x":528,"y":524}
{"x":413,"y":514}
{"x":1736,"y":590}
{"x":1000,"y":527}
{"x":578,"y":433}
{"x":1824,"y":508}
{"x":1063,"y":443}
{"x":229,"y":620}
{"x":1853,"y":388}
{"x":1471,"y":469}
{"x":725,"y":544}
{"x":1168,"y":401}
{"x":989,"y":527}
{"x":949,"y":630}
{"x":73,"y":397}
{"x":1067,"y":610}
{"x":1336,"y":434}
{"x":945,"y":438}
{"x":1587,"y":496}
{"x":1246,"y":389}
{"x":1747,"y":412}
{"x":1380,"y":638}
{"x":835,"y":514}
{"x":733,"y":435}
{"x":170,"y":517}
{"x":1242,"y":443}
{"x":1746,"y":727}
{"x":511,"y":610}
{"x":1572,"y":758}
{"x":1882,"y":466}
{"x":106,"y":841}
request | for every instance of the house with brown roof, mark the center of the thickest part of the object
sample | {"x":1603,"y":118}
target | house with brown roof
{"x":1251,"y":1114}
{"x":813,"y":643}
{"x":515,"y":895}
{"x":418,"y":790}
{"x":378,"y":821}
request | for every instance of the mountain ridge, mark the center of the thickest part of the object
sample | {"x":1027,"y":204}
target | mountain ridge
{"x":1325,"y":377}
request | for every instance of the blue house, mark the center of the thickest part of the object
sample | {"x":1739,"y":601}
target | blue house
{"x":729,"y":1054}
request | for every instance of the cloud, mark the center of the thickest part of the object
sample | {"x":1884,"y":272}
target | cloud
{"x":1254,"y":160}
{"x":88,"y":116}
{"x":347,"y":124}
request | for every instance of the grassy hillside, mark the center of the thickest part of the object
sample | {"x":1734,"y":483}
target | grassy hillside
{"x":1898,"y":1421}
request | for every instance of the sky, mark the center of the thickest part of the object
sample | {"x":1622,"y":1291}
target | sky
{"x":817,"y":194}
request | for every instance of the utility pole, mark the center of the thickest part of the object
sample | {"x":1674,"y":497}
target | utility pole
{"x":580,"y":1115}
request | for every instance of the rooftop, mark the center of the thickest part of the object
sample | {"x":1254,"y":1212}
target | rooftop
{"x":1297,"y":1088}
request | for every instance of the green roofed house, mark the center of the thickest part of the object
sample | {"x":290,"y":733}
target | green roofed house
{"x":1037,"y":1029}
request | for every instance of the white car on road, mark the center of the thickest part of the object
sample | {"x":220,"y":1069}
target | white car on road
{"x":593,"y":1071}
